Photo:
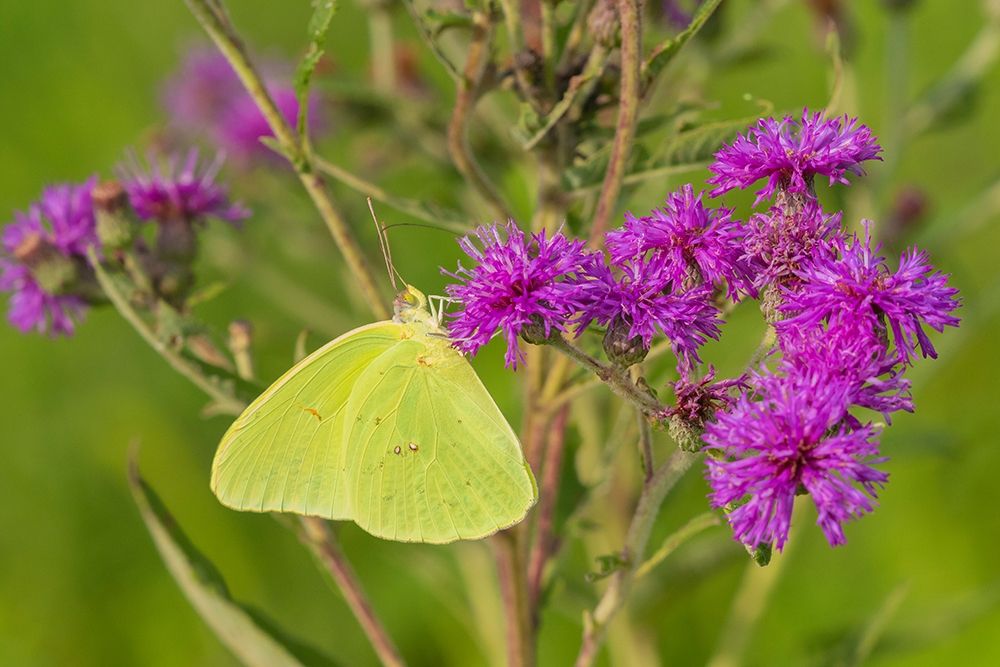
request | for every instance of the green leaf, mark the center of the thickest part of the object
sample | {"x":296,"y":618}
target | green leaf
{"x":608,"y":564}
{"x":319,"y":25}
{"x":252,"y":638}
{"x":665,"y":52}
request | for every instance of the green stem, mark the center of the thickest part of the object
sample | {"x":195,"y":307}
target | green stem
{"x":515,"y":37}
{"x":467,"y":91}
{"x":645,"y":445}
{"x":629,"y":97}
{"x":382,"y":49}
{"x":654,"y":491}
{"x":224,"y":401}
{"x":615,"y":378}
{"x":676,"y":539}
{"x":228,"y":42}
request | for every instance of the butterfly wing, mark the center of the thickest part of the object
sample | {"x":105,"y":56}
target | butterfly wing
{"x":284,"y":452}
{"x":431,"y":458}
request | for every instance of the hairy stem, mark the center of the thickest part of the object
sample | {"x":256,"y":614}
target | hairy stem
{"x":653,"y":493}
{"x":467,"y":91}
{"x":645,"y":445}
{"x":316,"y":534}
{"x":628,"y":116}
{"x":615,"y":378}
{"x":213,"y":21}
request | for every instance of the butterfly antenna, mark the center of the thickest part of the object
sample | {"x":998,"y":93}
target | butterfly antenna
{"x":383,"y":242}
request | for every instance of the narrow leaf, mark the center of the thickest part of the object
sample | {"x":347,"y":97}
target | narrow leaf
{"x":665,"y":52}
{"x":252,"y":638}
{"x":319,"y":25}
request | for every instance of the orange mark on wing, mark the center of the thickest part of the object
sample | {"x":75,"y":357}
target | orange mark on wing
{"x":314,"y":412}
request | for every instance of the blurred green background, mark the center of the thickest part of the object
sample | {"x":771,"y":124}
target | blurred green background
{"x":80,"y":582}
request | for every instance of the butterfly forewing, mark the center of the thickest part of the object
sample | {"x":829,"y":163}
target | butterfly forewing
{"x":431,"y":458}
{"x":284,"y":452}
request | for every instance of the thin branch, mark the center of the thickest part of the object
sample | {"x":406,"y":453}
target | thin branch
{"x":514,"y":593}
{"x":653,"y":494}
{"x":645,"y":445}
{"x":228,"y":42}
{"x":544,"y":544}
{"x":628,"y":116}
{"x":467,"y":91}
{"x":382,"y":48}
{"x":615,"y":378}
{"x":224,"y":401}
{"x":515,"y":37}
{"x":676,"y":539}
{"x":316,"y":534}
{"x":428,"y":37}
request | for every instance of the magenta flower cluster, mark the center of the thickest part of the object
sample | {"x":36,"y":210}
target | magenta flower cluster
{"x":44,"y":264}
{"x":846,"y":326}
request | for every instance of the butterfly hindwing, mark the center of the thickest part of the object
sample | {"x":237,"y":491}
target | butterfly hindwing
{"x":431,"y":458}
{"x":284,"y":452}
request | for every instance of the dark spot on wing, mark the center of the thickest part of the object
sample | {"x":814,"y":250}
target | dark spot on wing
{"x":314,"y":412}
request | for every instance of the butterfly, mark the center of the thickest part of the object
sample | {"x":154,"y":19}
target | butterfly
{"x":387,"y":426}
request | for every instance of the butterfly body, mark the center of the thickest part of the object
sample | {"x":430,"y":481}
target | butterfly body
{"x":388,"y":426}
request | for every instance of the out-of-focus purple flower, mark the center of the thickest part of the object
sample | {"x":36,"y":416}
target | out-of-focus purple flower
{"x":45,"y":253}
{"x":206,"y":98}
{"x":518,"y":280}
{"x":788,"y":153}
{"x":697,"y":400}
{"x":793,"y":437}
{"x":242,"y":126}
{"x":644,"y":298}
{"x":777,"y":243}
{"x":856,"y":292}
{"x":696,"y":244}
{"x":677,"y":15}
{"x":180,"y":189}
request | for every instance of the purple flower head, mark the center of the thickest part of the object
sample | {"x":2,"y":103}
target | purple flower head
{"x":777,"y":243}
{"x":45,"y":251}
{"x":794,"y":437}
{"x":518,"y":280}
{"x":875,"y":381}
{"x":206,"y":97}
{"x":644,"y":298}
{"x":697,"y":400}
{"x":696,"y":244}
{"x":856,"y":292}
{"x":788,"y":153}
{"x":179,"y":190}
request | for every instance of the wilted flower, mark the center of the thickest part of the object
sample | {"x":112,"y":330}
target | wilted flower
{"x":696,"y":244}
{"x":788,"y":153}
{"x":45,"y":260}
{"x":854,"y":291}
{"x":643,"y":299}
{"x":519,"y":281}
{"x":795,"y":437}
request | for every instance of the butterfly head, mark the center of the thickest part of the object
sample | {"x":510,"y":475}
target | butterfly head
{"x":410,"y":305}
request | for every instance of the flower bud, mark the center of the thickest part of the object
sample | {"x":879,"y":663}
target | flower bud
{"x":686,"y":434}
{"x":53,"y":271}
{"x":115,"y":227}
{"x":603,"y":23}
{"x":535,"y":332}
{"x":621,"y":348}
{"x":176,"y":240}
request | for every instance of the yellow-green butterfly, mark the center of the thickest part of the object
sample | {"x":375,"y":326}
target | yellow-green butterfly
{"x":388,"y":426}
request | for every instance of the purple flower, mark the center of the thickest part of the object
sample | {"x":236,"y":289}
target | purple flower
{"x":205,"y":97}
{"x":45,"y":255}
{"x":696,"y":244}
{"x":777,"y":243}
{"x":788,"y":153}
{"x":242,"y":126}
{"x":857,"y":293}
{"x":518,"y":280}
{"x":180,"y":190}
{"x":794,"y":437}
{"x":644,"y":299}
